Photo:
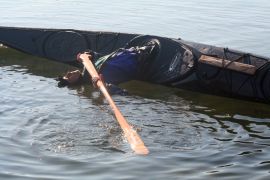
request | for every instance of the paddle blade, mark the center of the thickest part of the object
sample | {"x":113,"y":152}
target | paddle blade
{"x":135,"y":141}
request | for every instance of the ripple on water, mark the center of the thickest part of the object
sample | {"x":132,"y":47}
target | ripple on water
{"x":70,"y":133}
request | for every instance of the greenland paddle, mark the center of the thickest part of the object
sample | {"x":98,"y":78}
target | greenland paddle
{"x":130,"y":134}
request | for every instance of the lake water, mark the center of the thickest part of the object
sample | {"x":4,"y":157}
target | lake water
{"x":48,"y":132}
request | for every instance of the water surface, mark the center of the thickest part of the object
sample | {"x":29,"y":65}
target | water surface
{"x":48,"y":132}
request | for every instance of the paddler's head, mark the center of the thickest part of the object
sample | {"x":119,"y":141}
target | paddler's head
{"x":70,"y":78}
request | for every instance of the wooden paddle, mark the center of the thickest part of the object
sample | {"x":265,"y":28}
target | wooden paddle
{"x":130,"y":134}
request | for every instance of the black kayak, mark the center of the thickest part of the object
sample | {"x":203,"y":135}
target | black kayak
{"x":176,"y":62}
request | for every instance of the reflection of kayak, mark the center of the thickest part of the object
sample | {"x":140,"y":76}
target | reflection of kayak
{"x":176,"y":62}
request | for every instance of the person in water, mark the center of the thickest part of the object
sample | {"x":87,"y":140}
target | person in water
{"x":122,"y":65}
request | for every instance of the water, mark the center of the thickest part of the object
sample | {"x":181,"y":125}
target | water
{"x":48,"y":132}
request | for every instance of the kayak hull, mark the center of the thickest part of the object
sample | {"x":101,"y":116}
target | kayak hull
{"x":177,"y":63}
{"x":61,"y":45}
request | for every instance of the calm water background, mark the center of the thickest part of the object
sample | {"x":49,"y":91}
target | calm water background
{"x":48,"y":132}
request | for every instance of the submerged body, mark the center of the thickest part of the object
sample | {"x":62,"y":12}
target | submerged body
{"x":122,"y":67}
{"x":118,"y":67}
